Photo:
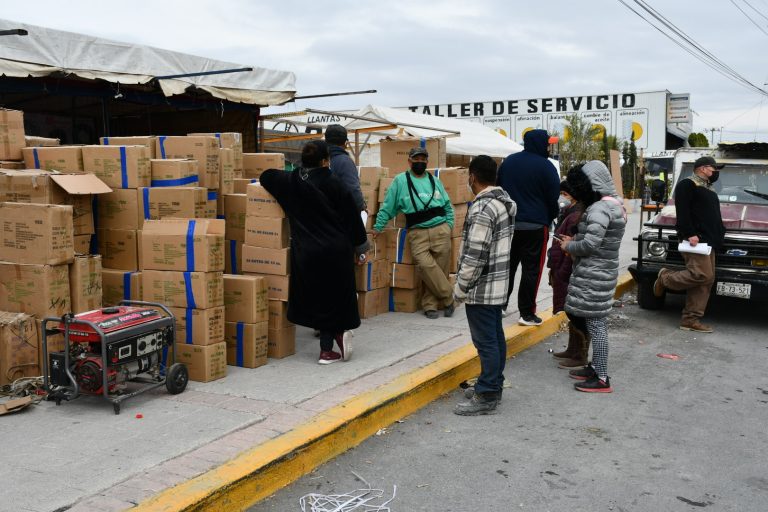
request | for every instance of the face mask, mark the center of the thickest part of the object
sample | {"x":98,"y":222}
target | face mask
{"x":419,"y":168}
{"x":715,"y":176}
{"x":563,"y":202}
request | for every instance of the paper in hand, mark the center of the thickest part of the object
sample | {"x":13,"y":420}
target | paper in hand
{"x":700,"y":248}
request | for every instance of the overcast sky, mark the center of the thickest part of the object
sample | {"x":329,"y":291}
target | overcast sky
{"x":448,"y":51}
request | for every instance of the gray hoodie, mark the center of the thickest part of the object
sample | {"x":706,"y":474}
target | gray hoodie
{"x":595,"y":248}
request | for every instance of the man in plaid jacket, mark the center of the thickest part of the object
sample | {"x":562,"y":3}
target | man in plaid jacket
{"x":482,"y":281}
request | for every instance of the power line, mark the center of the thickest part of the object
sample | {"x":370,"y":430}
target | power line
{"x":761,"y":29}
{"x":756,"y":10}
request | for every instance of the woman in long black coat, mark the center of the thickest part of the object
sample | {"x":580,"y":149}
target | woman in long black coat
{"x":326,"y":231}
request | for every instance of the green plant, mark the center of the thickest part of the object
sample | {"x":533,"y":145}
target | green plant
{"x":579,"y":143}
{"x":698,"y":140}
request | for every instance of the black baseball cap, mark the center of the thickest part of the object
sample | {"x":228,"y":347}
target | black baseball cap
{"x":418,"y":151}
{"x":707,"y":160}
{"x":335,"y":133}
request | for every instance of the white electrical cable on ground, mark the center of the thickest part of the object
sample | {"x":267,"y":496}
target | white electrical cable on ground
{"x":359,"y":500}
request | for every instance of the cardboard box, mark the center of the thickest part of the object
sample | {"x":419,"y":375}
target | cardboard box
{"x":246,"y":344}
{"x":240,"y":185}
{"x":201,"y":148}
{"x":18,"y":347}
{"x":273,"y":233}
{"x":199,"y":326}
{"x":233,"y":257}
{"x":372,"y":275}
{"x":371,"y":198}
{"x":454,"y":181}
{"x":85,"y":285}
{"x":38,"y":290}
{"x":278,"y":314}
{"x":119,"y":166}
{"x":148,"y":141}
{"x":200,"y":290}
{"x":211,"y":207}
{"x":119,"y":209}
{"x":455,"y":249}
{"x":398,"y":222}
{"x":281,"y":342}
{"x":277,"y":286}
{"x":11,"y":134}
{"x":234,"y":215}
{"x":174,"y":172}
{"x":262,"y":260}
{"x":384,"y":187}
{"x":226,"y":171}
{"x":372,"y":303}
{"x":245,"y":299}
{"x":36,"y":233}
{"x":117,"y":285}
{"x":256,"y":163}
{"x":404,"y":276}
{"x":261,"y":203}
{"x":82,"y":244}
{"x":229,"y":140}
{"x":193,"y":245}
{"x":12,"y":165}
{"x":404,"y":301}
{"x":398,"y":246}
{"x":378,"y":247}
{"x":169,"y":202}
{"x":205,"y":363}
{"x":40,"y":142}
{"x":119,"y":248}
{"x":394,"y":152}
{"x":459,"y":216}
{"x":371,"y":176}
{"x":54,"y":341}
{"x":67,"y":159}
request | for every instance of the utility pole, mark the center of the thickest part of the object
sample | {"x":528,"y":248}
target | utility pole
{"x":712,"y":135}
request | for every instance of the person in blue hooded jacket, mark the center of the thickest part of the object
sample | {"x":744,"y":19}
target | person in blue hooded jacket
{"x":533,"y":183}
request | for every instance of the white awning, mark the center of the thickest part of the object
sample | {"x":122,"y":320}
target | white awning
{"x":45,"y":51}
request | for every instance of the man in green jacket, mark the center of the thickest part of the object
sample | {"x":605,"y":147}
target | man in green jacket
{"x":429,"y":220}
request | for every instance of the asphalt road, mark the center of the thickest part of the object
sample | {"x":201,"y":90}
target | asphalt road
{"x":675,"y":435}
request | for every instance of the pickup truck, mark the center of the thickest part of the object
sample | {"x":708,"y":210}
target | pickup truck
{"x":741,"y":265}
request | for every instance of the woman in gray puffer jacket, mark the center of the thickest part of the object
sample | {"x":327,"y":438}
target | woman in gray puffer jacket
{"x":595,"y":253}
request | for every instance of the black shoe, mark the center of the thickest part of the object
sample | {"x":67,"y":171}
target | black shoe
{"x":530,"y":319}
{"x":477,"y":405}
{"x":448,"y":312}
{"x":594,"y":385}
{"x":431,"y":314}
{"x":470,"y":392}
{"x":585,"y":373}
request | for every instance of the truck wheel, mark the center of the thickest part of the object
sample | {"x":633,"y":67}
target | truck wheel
{"x":176,"y":379}
{"x":645,"y":297}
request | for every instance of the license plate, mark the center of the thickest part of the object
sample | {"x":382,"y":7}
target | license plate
{"x":742,"y":291}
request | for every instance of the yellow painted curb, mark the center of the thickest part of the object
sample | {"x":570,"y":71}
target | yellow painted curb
{"x":259,"y":472}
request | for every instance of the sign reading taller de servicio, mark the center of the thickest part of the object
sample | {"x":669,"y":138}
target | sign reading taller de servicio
{"x":640,"y":116}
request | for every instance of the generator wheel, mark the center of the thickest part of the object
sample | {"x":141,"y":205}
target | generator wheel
{"x":176,"y":378}
{"x":116,"y":407}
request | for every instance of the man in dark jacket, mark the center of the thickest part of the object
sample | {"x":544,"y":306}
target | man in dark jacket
{"x":533,"y":183}
{"x":341,"y":164}
{"x":698,"y":221}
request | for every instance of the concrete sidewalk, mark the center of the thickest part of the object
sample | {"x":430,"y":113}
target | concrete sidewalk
{"x":226,"y":444}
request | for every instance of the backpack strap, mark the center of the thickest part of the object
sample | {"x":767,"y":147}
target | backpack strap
{"x":612,"y":199}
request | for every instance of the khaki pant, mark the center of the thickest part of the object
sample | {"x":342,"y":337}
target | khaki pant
{"x":431,"y":250}
{"x":696,"y":280}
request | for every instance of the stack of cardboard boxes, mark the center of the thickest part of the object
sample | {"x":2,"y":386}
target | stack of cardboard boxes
{"x":266,"y":253}
{"x":247,"y":320}
{"x":182,"y":264}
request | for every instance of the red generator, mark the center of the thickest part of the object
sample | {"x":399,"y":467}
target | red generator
{"x":117,"y":352}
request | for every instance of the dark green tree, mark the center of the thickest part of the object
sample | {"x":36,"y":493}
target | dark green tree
{"x":698,"y":140}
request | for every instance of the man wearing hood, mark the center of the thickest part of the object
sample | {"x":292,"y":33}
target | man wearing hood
{"x":699,"y":221}
{"x":342,"y":165}
{"x":533,"y":183}
{"x":482,"y":281}
{"x":429,"y":219}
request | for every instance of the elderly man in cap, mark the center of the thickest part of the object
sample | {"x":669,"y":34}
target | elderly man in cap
{"x":429,"y":219}
{"x":698,"y":221}
{"x":342,"y":165}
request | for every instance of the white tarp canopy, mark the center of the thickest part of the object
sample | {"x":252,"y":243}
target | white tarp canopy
{"x":45,"y":51}
{"x":474,"y":139}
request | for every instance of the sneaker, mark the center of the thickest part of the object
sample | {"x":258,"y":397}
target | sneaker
{"x":696,"y":326}
{"x":585,"y":373}
{"x":658,"y":286}
{"x":431,"y":314}
{"x":328,"y":357}
{"x":594,"y":385}
{"x":476,"y":406}
{"x":448,"y":312}
{"x":529,"y":320}
{"x":344,"y":341}
{"x":470,"y":392}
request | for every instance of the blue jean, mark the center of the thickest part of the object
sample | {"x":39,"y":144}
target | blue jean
{"x":488,"y":338}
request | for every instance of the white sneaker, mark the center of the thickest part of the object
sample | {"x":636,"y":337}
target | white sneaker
{"x":345,"y":345}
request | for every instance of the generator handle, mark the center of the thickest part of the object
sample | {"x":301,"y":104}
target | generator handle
{"x":44,"y":336}
{"x":143,"y":303}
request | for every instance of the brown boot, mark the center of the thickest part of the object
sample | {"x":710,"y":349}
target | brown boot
{"x":573,"y":348}
{"x":581,"y":353}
